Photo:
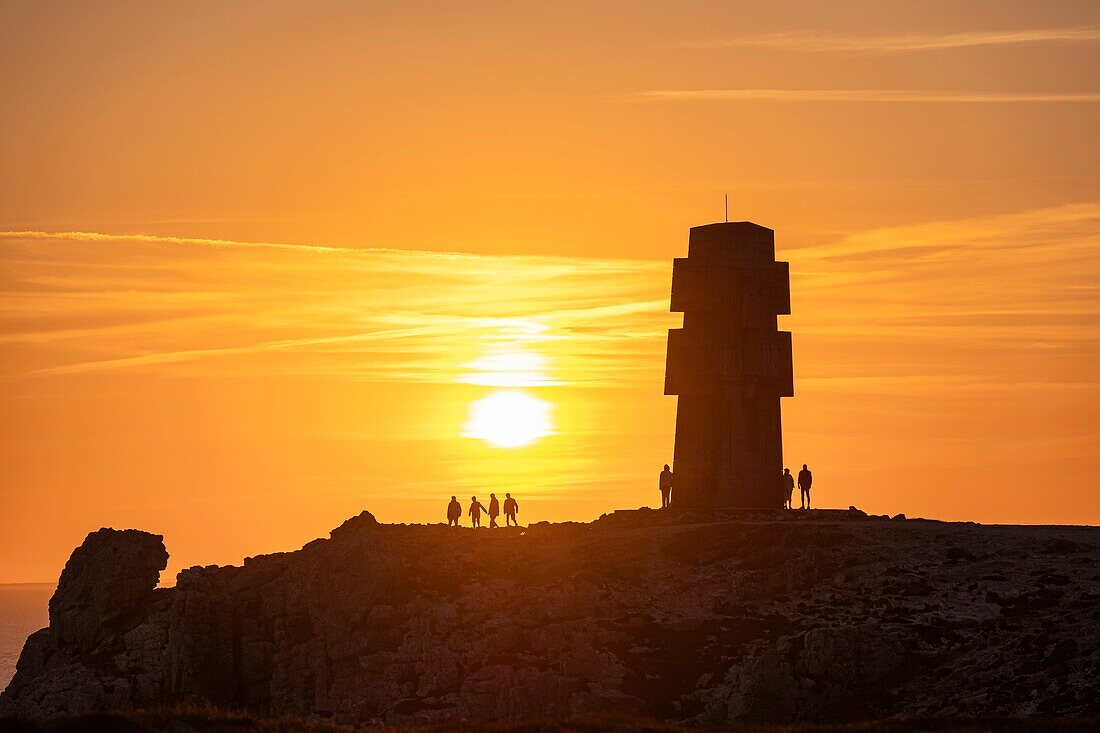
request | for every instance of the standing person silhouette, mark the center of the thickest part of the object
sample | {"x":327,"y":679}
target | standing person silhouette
{"x":454,"y":512}
{"x":475,"y":511}
{"x":788,"y":489}
{"x":805,"y":479}
{"x":510,"y":509}
{"x":666,"y":487}
{"x":494,"y":510}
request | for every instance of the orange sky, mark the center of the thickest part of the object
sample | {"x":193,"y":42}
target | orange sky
{"x":931,"y":172}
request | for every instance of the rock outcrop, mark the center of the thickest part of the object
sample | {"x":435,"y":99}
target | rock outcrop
{"x":674,"y":615}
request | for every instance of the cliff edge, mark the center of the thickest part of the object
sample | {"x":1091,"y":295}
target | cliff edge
{"x":702,"y":618}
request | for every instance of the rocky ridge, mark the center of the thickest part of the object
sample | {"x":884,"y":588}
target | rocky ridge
{"x":700,"y":618}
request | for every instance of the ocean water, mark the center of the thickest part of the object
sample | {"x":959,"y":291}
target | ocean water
{"x":23,"y":610}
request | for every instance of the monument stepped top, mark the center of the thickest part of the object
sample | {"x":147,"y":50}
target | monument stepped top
{"x":731,"y":238}
{"x":732,"y":226}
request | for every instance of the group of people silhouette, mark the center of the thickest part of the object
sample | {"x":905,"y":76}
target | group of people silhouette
{"x":805,"y":480}
{"x":511,"y":506}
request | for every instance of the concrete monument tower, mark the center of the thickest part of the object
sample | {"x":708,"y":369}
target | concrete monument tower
{"x":729,"y":365}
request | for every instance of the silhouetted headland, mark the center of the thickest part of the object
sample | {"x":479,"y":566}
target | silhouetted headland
{"x":711,"y":617}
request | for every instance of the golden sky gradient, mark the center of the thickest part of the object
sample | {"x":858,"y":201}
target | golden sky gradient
{"x":259,"y":260}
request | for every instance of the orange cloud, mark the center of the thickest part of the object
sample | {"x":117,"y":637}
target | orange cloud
{"x":899,"y":96}
{"x":820,"y":42}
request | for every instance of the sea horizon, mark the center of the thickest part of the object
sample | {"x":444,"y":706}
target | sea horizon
{"x":24,"y":609}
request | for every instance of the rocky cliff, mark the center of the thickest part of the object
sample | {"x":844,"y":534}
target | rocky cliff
{"x":699,"y":618}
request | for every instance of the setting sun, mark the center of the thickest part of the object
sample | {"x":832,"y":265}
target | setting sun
{"x":509,"y":418}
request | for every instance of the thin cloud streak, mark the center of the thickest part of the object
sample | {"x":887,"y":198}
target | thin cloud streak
{"x":825,"y":42}
{"x":563,"y":264}
{"x":1072,"y":226}
{"x":893,"y":96}
{"x":156,"y":239}
{"x":225,"y":308}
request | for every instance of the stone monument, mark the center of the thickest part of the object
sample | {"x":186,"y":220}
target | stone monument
{"x":729,"y":365}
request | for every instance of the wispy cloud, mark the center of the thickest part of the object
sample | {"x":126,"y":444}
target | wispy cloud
{"x":1049,"y":230}
{"x":76,"y":236}
{"x":863,"y":95}
{"x":186,"y":306}
{"x":982,"y":300}
{"x":821,"y":42}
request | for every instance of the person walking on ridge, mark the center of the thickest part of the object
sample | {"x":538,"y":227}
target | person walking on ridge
{"x":454,"y":512}
{"x":510,"y":509}
{"x":788,"y":489}
{"x":494,"y":510}
{"x":805,"y":479}
{"x":666,"y":487}
{"x":476,"y":509}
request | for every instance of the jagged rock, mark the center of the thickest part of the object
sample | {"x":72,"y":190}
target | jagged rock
{"x":707,"y":618}
{"x":106,"y":589}
{"x":104,"y":585}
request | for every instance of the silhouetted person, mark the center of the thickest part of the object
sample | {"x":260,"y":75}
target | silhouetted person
{"x":788,"y":489}
{"x":454,"y":512}
{"x":475,"y":511}
{"x":494,"y":510}
{"x":510,"y":509}
{"x":666,"y":487}
{"x":805,"y":478}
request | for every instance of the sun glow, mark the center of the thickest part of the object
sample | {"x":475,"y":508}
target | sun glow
{"x":509,"y":418}
{"x":511,"y":368}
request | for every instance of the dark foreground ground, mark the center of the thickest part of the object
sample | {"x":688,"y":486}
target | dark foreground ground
{"x":208,"y":720}
{"x":693,"y":619}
